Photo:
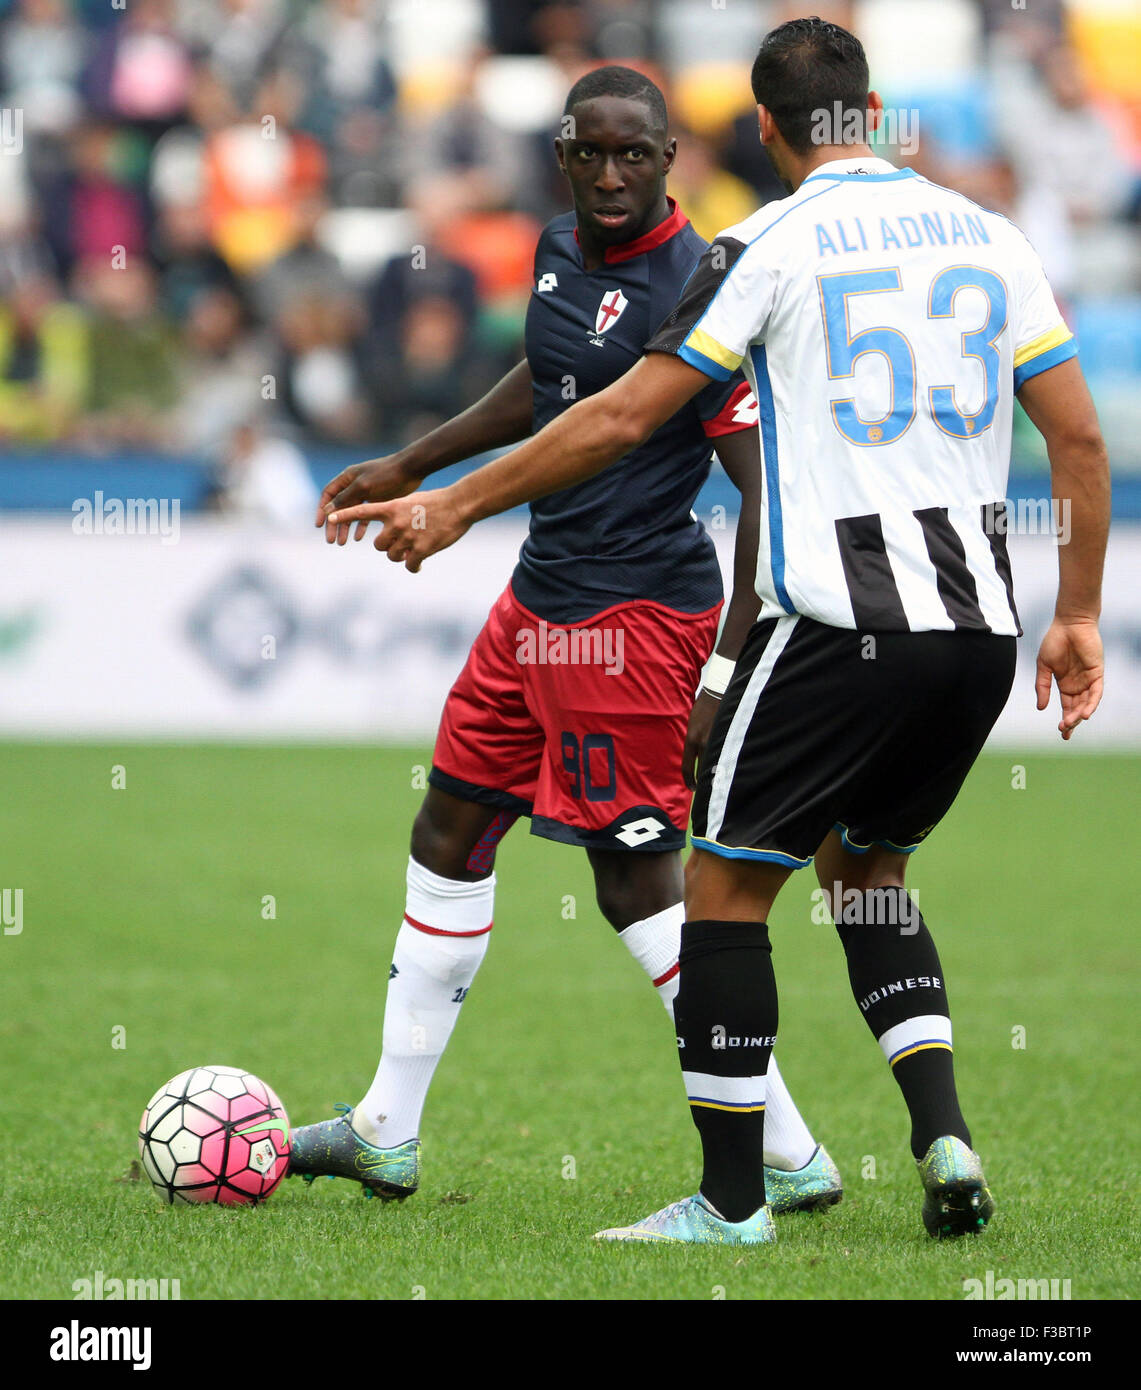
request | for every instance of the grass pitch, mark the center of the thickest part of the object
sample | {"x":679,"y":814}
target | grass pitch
{"x":558,"y":1109}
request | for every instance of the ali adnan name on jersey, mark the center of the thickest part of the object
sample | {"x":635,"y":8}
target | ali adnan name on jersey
{"x":897,"y":233}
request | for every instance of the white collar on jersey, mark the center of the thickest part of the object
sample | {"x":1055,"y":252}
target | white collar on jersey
{"x":872,"y":167}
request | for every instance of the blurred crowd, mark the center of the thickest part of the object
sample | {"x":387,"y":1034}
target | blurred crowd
{"x":235,"y":225}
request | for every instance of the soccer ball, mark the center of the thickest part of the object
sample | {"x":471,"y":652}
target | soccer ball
{"x":214,"y":1134}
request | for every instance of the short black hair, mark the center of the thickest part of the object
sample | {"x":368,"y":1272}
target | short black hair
{"x":614,"y":81}
{"x":805,"y":67}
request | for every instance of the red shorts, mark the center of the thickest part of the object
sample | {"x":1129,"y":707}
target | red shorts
{"x":580,"y":727}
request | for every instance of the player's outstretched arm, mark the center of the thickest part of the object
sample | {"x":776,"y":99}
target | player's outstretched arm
{"x":501,"y":417}
{"x":575,"y":445}
{"x":740,"y":456}
{"x":1059,"y":403}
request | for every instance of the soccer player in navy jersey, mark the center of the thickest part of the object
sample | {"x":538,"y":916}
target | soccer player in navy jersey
{"x":576,"y":706}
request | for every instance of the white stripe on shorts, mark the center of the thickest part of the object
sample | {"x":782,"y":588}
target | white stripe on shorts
{"x":739,"y":725}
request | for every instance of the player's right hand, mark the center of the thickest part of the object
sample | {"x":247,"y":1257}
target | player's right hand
{"x":701,"y":719}
{"x":412,"y":528}
{"x":377,"y":480}
{"x":1071,"y":654}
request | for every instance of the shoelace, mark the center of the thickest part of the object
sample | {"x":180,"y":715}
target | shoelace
{"x":674,"y":1209}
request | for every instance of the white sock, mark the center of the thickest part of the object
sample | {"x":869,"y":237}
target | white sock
{"x":438,"y":950}
{"x":788,"y":1140}
{"x":654,"y":943}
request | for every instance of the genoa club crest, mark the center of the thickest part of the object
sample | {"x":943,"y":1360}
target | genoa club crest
{"x":609,"y":311}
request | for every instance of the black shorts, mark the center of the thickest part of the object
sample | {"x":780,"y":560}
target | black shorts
{"x":825,"y":728}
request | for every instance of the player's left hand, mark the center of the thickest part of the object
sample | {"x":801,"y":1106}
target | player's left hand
{"x":701,"y":719}
{"x":1071,"y":655}
{"x":412,"y":528}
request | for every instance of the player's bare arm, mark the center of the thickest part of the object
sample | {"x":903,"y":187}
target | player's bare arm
{"x":501,"y":417}
{"x":1059,"y":404}
{"x":740,"y":456}
{"x":576,"y":445}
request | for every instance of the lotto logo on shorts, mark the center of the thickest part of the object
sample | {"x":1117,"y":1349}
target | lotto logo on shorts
{"x":637,"y":832}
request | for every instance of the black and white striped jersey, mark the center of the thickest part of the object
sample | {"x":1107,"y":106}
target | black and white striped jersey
{"x":885,"y":324}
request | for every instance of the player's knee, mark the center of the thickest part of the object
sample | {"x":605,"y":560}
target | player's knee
{"x":439,"y":845}
{"x":871,"y":877}
{"x":631,"y":887}
{"x":705,"y":873}
{"x":616,"y":901}
{"x":864,"y":894}
{"x":841,"y":871}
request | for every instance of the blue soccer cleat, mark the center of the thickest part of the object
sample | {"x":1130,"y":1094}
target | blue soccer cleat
{"x":811,"y":1188}
{"x":956,"y":1199}
{"x":333,"y":1149}
{"x":694,"y":1222}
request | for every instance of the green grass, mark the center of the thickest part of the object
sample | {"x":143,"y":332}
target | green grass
{"x":142,"y":909}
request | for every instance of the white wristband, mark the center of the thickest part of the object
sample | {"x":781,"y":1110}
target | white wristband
{"x":717,"y":675}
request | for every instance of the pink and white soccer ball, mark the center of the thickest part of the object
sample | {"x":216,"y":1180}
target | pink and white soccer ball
{"x":214,"y":1134}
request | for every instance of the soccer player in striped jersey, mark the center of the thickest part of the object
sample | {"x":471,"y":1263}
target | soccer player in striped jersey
{"x":595,"y":742}
{"x":887,"y":325}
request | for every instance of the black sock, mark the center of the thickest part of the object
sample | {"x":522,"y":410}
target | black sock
{"x":896,"y":977}
{"x":726,"y":1015}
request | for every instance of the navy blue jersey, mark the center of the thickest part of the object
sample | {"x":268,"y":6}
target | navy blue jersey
{"x":628,"y":533}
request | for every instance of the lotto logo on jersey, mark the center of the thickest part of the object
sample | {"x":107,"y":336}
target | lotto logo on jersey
{"x":609,"y":311}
